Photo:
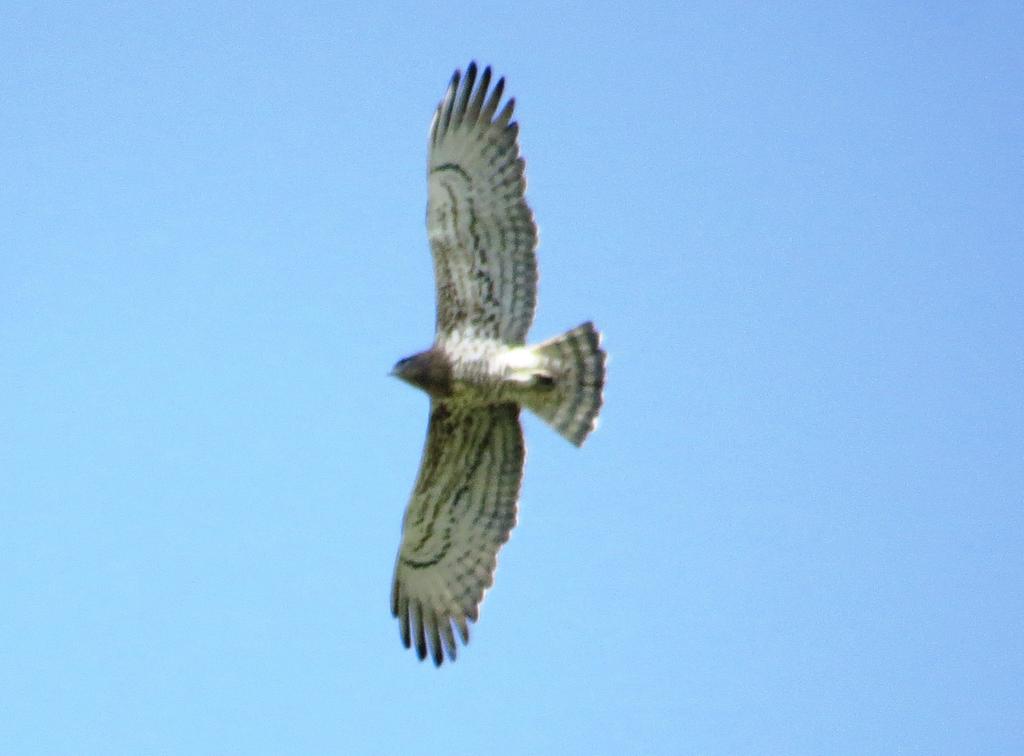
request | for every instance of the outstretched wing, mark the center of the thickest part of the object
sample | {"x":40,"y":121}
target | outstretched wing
{"x":481,"y":230}
{"x":462,"y":510}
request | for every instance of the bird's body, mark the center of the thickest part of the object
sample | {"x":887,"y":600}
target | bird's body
{"x":475,"y":371}
{"x":479,"y":371}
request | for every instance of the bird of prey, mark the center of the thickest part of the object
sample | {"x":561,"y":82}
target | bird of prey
{"x":479,"y":371}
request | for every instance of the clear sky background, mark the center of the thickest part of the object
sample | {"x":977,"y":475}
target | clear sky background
{"x":800,"y":525}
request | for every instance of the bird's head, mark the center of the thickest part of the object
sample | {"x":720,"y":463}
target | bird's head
{"x":425,"y":370}
{"x":405,"y":368}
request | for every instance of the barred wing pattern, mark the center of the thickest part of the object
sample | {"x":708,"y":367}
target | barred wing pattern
{"x":481,"y":230}
{"x":462,"y":510}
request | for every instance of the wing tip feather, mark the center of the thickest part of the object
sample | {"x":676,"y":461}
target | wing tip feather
{"x":431,"y":632}
{"x":468,"y":99}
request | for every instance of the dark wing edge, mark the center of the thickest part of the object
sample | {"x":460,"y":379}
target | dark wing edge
{"x":482,"y":233}
{"x":461,"y":512}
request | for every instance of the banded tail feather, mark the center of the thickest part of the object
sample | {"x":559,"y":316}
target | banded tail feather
{"x":575,"y":363}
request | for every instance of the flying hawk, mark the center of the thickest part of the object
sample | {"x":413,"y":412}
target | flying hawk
{"x":479,"y":371}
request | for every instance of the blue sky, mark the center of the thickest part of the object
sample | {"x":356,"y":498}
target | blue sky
{"x":799,"y":527}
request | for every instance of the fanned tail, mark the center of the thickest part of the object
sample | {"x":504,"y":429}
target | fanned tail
{"x":573,"y":368}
